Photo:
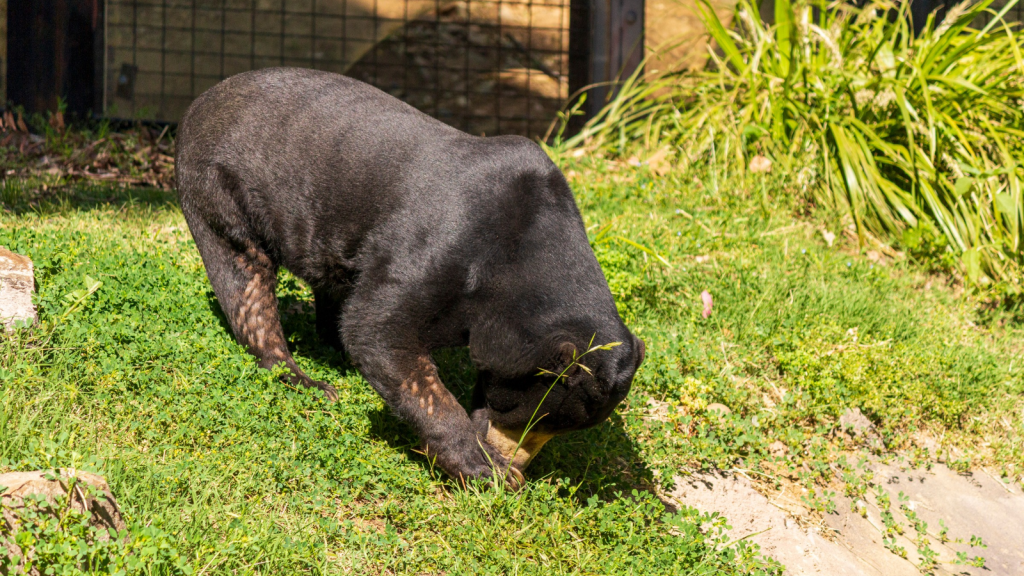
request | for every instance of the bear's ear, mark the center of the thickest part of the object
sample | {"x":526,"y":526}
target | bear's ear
{"x":567,"y":357}
{"x":642,"y":351}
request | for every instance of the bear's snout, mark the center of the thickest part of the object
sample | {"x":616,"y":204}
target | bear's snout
{"x":624,"y":368}
{"x":615,"y":379}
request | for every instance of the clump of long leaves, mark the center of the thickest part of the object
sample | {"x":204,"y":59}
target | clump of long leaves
{"x":912,"y":135}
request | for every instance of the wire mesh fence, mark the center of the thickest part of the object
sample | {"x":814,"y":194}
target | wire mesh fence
{"x":485,"y":66}
{"x":1014,"y":14}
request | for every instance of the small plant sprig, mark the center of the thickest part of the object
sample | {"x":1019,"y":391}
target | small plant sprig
{"x":892,"y":527}
{"x":79,"y":296}
{"x":929,"y":557}
{"x":604,"y":235}
{"x":820,"y":503}
{"x":855,"y":485}
{"x":976,"y":561}
{"x":575,"y":362}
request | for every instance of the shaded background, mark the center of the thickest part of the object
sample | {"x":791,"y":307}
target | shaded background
{"x":484,"y":66}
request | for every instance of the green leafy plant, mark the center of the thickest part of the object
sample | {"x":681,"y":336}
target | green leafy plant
{"x":897,"y":130}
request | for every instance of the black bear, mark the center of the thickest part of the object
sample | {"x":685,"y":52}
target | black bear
{"x":413,"y":236}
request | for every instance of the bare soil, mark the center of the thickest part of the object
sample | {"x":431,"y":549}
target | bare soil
{"x":849,"y":542}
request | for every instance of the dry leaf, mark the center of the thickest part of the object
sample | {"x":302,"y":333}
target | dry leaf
{"x":760,"y":164}
{"x":660,"y":162}
{"x":705,"y":298}
{"x":57,"y":121}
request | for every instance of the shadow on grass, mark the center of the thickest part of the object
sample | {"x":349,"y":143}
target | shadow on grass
{"x":603,"y":461}
{"x":21,"y":197}
{"x":299,"y":326}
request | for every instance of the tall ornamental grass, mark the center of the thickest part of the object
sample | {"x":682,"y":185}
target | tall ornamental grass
{"x":919,"y":138}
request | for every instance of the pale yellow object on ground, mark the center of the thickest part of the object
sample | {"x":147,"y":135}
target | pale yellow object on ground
{"x":507,"y":441}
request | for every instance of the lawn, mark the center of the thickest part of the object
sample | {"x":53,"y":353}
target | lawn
{"x":222,"y":468}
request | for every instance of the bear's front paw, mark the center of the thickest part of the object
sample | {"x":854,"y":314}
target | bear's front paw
{"x":476,"y":459}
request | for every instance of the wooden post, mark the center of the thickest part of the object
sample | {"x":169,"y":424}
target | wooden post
{"x":606,"y":45}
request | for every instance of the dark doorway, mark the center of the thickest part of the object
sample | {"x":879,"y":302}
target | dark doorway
{"x":52,"y":54}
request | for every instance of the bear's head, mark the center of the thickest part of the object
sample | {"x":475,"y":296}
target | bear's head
{"x":575,"y":384}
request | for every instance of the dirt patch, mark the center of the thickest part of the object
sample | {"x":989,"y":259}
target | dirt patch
{"x":968,"y":506}
{"x":140,"y":156}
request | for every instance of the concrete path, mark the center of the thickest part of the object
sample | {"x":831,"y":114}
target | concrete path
{"x":974,"y":505}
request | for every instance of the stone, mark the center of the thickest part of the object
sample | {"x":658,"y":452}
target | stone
{"x":855,"y":423}
{"x":91,"y":492}
{"x":722,"y":409}
{"x":16,"y":286}
{"x":752,"y":516}
{"x":977,"y":505}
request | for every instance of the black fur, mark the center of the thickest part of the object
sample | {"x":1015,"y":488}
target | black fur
{"x":413,"y":236}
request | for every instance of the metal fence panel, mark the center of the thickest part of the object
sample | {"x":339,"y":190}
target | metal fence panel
{"x":485,"y":66}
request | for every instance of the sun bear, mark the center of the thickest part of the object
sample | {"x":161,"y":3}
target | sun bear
{"x":413,"y":236}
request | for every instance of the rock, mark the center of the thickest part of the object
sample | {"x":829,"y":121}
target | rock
{"x":91,"y":493}
{"x":16,"y":286}
{"x":857,"y":426}
{"x":754,"y":517}
{"x":978,"y":505}
{"x":722,"y":409}
{"x":854,"y":423}
{"x":778,"y":449}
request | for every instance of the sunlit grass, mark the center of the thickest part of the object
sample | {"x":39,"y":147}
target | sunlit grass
{"x":143,"y":381}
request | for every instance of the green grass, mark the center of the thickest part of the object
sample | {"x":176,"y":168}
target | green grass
{"x":144,"y":383}
{"x":237,"y":472}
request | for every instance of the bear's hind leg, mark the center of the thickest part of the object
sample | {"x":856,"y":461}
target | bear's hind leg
{"x":244,"y":281}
